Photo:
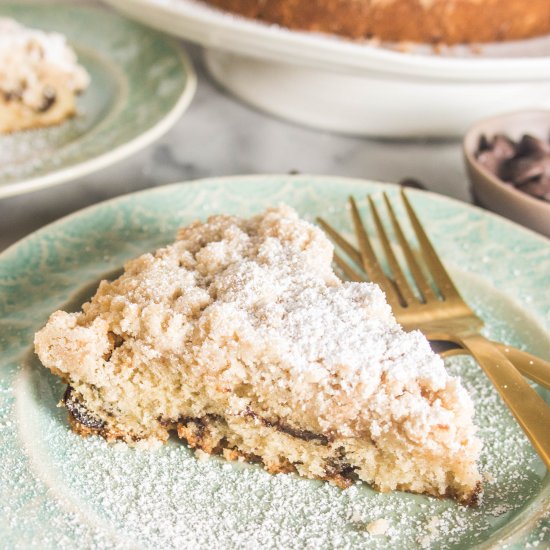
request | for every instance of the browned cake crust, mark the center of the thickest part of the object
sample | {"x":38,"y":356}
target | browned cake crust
{"x":435,"y":21}
{"x":204,"y":434}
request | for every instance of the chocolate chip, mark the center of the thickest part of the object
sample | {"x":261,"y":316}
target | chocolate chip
{"x":48,"y":99}
{"x":525,"y":164}
{"x":529,"y":145}
{"x":520,"y":170}
{"x":490,"y":161}
{"x":411,"y":182}
{"x":484,"y":144}
{"x":12,"y":95}
{"x":305,"y":435}
{"x":79,"y":412}
{"x":503,"y":147}
{"x":539,"y":189}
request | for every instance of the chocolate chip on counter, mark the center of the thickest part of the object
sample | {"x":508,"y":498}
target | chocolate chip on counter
{"x":411,"y":182}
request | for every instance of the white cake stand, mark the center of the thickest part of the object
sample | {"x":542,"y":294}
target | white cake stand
{"x":353,"y":88}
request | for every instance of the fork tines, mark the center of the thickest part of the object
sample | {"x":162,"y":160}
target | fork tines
{"x":397,"y":286}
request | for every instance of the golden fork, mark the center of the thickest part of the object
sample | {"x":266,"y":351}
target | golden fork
{"x":443,"y":315}
{"x":414,"y":315}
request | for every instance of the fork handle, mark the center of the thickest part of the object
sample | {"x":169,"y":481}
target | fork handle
{"x":529,"y":409}
{"x":535,"y":368}
{"x":531,"y":366}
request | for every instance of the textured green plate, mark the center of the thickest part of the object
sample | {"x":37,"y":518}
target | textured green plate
{"x":58,"y":490}
{"x":141,"y":82}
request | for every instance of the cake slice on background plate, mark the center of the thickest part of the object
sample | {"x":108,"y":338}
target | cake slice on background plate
{"x":39,"y":78}
{"x":241,"y":339}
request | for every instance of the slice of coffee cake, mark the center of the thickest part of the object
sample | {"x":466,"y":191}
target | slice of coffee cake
{"x":39,"y":78}
{"x":241,"y":339}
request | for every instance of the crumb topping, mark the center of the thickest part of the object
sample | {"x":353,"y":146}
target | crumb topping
{"x":252,"y":312}
{"x":378,"y":526}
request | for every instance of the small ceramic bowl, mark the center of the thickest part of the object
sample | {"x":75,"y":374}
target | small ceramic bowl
{"x":489,"y":190}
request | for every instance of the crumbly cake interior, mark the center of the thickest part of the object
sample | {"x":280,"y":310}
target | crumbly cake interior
{"x":39,"y":78}
{"x":240,"y":338}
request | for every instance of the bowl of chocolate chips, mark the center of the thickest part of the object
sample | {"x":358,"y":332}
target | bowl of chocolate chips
{"x":508,"y":161}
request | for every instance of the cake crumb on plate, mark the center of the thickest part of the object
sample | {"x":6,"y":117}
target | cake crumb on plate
{"x":378,"y":526}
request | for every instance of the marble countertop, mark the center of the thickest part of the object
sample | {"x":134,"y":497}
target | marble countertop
{"x":220,"y":136}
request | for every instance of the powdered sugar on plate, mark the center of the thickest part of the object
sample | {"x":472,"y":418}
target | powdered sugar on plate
{"x":167,"y":498}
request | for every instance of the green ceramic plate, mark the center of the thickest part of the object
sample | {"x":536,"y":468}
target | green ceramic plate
{"x":141,"y":82}
{"x":59,"y":491}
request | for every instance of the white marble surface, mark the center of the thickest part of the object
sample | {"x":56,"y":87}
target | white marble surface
{"x":220,"y":136}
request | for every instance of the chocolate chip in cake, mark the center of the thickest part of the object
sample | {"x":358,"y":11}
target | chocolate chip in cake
{"x":305,"y":435}
{"x":79,"y":412}
{"x":12,"y":95}
{"x":49,"y":98}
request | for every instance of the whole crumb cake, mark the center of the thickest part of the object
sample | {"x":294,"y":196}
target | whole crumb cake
{"x":241,"y":339}
{"x":39,"y":78}
{"x":431,"y":21}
